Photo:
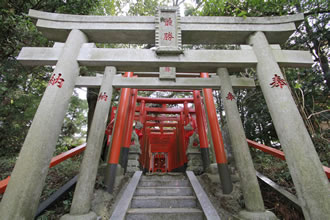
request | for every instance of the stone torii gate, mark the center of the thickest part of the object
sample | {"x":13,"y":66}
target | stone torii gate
{"x":168,"y":31}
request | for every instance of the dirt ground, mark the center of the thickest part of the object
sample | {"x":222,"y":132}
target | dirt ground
{"x":229,"y":205}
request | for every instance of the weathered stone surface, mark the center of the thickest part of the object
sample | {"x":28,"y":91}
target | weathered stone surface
{"x":134,"y":153}
{"x":88,"y":216}
{"x":125,"y":200}
{"x":193,"y":153}
{"x":191,"y":61}
{"x":266,"y":215}
{"x":133,"y":163}
{"x":209,"y":211}
{"x":133,"y":156}
{"x":141,"y":29}
{"x":81,"y":202}
{"x":168,"y":31}
{"x":310,"y":181}
{"x":22,"y":195}
{"x":167,"y":73}
{"x":249,"y":183}
{"x":155,"y":83}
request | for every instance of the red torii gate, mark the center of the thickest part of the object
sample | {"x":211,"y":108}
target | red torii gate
{"x":168,"y":144}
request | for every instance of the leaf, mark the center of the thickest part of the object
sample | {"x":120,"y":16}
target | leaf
{"x":242,"y":14}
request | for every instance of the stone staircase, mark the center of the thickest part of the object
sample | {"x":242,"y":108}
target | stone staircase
{"x":164,"y":197}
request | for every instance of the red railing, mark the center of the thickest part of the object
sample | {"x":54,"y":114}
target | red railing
{"x":56,"y":160}
{"x":277,"y":153}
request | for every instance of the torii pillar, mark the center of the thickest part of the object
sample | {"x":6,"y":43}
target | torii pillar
{"x":219,"y":148}
{"x":204,"y":144}
{"x":304,"y":164}
{"x":117,"y":137}
{"x":22,"y":195}
{"x":254,"y":204}
{"x":82,"y":198}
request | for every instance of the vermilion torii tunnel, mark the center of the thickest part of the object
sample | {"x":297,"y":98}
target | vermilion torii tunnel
{"x":162,"y":137}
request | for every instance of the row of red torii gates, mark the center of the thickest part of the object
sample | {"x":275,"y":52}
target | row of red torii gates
{"x":173,"y":140}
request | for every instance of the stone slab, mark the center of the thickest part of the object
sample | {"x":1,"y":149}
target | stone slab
{"x":180,"y":83}
{"x":171,"y":183}
{"x":208,"y":209}
{"x":165,"y":213}
{"x":141,"y":29}
{"x":147,"y":82}
{"x":163,"y":191}
{"x":88,"y":216}
{"x":164,"y":202}
{"x":124,"y":202}
{"x":266,"y":215}
{"x":146,"y":60}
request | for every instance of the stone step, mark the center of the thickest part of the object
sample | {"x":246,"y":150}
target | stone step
{"x":165,"y":213}
{"x":163,"y":191}
{"x":163,"y":177}
{"x":164,"y":202}
{"x":151,"y":183}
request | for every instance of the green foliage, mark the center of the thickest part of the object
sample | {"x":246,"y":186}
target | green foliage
{"x":75,"y":120}
{"x":145,"y":7}
{"x":310,"y":87}
{"x":274,"y":168}
{"x":21,"y":88}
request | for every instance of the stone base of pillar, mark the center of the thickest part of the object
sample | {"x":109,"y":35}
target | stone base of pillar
{"x":195,"y":162}
{"x":88,"y":216}
{"x":133,"y":163}
{"x":213,"y":170}
{"x":248,"y":215}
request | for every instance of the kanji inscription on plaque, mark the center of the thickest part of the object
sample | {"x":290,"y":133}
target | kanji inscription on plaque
{"x":167,"y":73}
{"x":167,"y":21}
{"x":168,"y":36}
{"x":168,"y":32}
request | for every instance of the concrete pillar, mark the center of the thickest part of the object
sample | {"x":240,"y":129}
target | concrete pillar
{"x":81,"y":203}
{"x":219,"y":148}
{"x":305,"y":167}
{"x":21,"y":198}
{"x":249,"y":183}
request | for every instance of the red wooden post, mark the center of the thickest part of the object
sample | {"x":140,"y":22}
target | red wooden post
{"x":129,"y":128}
{"x":219,"y":148}
{"x":186,"y":112}
{"x":117,"y":137}
{"x":201,"y":130}
{"x":183,"y":147}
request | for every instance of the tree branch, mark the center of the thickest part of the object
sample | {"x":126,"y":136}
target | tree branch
{"x":317,"y":113}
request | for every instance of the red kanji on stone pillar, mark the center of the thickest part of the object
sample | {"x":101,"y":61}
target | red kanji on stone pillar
{"x":53,"y":80}
{"x":230,"y":96}
{"x":278,"y":82}
{"x":103,"y":96}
